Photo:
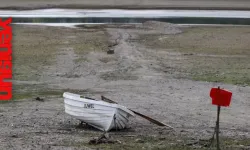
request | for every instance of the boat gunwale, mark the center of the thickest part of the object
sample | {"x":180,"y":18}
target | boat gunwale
{"x":78,"y":98}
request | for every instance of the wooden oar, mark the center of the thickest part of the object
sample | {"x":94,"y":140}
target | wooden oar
{"x":139,"y":114}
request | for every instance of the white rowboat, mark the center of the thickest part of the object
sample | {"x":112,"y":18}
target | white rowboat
{"x":99,"y":114}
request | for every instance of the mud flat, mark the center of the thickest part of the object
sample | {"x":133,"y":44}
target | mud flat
{"x":159,"y":69}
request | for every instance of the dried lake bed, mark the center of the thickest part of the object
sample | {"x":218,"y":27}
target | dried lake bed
{"x":162,"y":70}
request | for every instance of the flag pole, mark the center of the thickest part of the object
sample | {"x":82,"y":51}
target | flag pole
{"x":218,"y":126}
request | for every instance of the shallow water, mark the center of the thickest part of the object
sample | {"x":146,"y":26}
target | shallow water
{"x":70,"y":25}
{"x":119,"y":13}
{"x":128,"y":16}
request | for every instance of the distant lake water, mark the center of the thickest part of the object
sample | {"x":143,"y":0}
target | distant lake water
{"x":128,"y":16}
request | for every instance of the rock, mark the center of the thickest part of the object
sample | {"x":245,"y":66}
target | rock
{"x":139,"y":141}
{"x":14,"y":136}
{"x":161,"y":143}
{"x":118,"y":141}
{"x":183,"y":131}
{"x":40,"y":99}
{"x":101,"y":141}
{"x":162,"y":138}
{"x":106,"y":135}
{"x":188,"y":54}
{"x":111,"y":51}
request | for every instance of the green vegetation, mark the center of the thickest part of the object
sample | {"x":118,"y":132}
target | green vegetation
{"x":35,"y":47}
{"x":29,"y":91}
{"x":215,"y":54}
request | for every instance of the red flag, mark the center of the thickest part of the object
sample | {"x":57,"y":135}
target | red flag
{"x":220,"y":97}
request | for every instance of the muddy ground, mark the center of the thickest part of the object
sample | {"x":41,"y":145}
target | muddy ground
{"x":143,"y":74}
{"x":128,"y":4}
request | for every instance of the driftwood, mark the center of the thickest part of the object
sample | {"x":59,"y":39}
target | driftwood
{"x":104,"y":139}
{"x":139,"y":114}
{"x":101,"y":140}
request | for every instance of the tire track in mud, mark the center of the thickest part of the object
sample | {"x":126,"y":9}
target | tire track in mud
{"x":132,"y":63}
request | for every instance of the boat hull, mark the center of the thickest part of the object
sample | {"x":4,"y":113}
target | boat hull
{"x":99,"y":114}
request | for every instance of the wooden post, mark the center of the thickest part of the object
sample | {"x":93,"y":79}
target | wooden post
{"x":218,"y":128}
{"x":220,"y":98}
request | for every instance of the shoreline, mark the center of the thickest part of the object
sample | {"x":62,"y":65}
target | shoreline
{"x":125,"y":7}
